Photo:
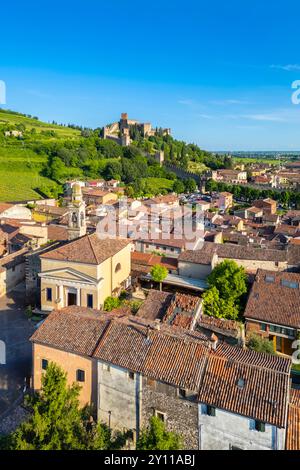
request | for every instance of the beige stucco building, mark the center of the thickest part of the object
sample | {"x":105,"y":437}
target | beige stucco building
{"x":84,"y":272}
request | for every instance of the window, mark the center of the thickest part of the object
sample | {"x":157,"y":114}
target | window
{"x":182,"y":393}
{"x":106,"y":367}
{"x":282,"y":331}
{"x":80,"y":375}
{"x":211,"y":410}
{"x":263,"y":327}
{"x":270,"y":279}
{"x":44,"y":364}
{"x":160,"y":415}
{"x":260,"y":426}
{"x":118,"y":268}
{"x":131,"y":375}
{"x":49,"y":294}
{"x":89,"y":300}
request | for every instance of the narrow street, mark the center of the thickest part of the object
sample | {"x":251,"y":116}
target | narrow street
{"x":15,"y":331}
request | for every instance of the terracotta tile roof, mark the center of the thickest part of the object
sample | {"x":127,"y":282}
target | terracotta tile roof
{"x":161,"y":240}
{"x":273,"y":302}
{"x":173,"y":309}
{"x":88,"y":249}
{"x":262,"y":394}
{"x":263,"y":202}
{"x":176,"y":356}
{"x":9,"y":261}
{"x":167,"y":199}
{"x":70,"y":330}
{"x":57,"y":232}
{"x":219,"y":324}
{"x":287,"y":230}
{"x":202,"y":256}
{"x":248,"y":356}
{"x":293,"y":255}
{"x":149,"y":259}
{"x":249,"y":253}
{"x":161,"y":355}
{"x":9,"y":229}
{"x":231,"y":251}
{"x":154,"y":307}
{"x":182,"y":310}
{"x":293,"y":428}
{"x":4,"y":206}
{"x":51,"y":210}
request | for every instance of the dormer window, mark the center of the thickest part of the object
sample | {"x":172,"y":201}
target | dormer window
{"x":290,"y":284}
{"x":270,"y":279}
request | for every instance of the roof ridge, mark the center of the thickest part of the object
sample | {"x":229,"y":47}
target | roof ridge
{"x":92,"y":247}
{"x":103,"y":335}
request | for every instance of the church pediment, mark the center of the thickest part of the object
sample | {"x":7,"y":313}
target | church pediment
{"x":68,"y":274}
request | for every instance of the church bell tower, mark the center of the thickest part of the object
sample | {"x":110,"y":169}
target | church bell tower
{"x":77,"y":217}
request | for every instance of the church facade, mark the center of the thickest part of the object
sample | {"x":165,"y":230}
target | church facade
{"x":84,"y":272}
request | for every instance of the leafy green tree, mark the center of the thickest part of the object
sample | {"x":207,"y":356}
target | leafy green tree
{"x":178,"y":187}
{"x":57,"y":422}
{"x":190,"y":185}
{"x":227,"y":285}
{"x":215,"y":306}
{"x":158,"y":274}
{"x":156,"y":437}
{"x":230,"y":280}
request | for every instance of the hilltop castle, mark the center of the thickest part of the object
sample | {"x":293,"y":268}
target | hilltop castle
{"x":120,"y":131}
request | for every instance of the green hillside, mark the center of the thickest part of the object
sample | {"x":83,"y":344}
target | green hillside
{"x":20,"y":164}
{"x":36,"y":159}
{"x":13,"y":119}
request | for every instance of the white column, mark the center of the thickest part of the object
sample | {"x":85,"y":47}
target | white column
{"x":61,"y":295}
{"x":78,"y":296}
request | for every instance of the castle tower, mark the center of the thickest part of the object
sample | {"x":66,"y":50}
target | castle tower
{"x":77,"y":218}
{"x":123,"y":123}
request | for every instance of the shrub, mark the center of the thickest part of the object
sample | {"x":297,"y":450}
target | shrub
{"x":259,"y":344}
{"x":111,"y":303}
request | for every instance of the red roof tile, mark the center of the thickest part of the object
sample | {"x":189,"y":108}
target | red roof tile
{"x":88,"y":249}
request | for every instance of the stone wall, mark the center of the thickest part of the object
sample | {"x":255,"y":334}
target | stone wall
{"x":181,"y":414}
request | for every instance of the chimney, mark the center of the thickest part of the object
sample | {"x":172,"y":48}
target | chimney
{"x":214,"y":341}
{"x":157,"y":324}
{"x":242,"y":339}
{"x":148,"y":331}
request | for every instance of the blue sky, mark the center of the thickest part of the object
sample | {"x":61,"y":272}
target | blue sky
{"x":218,"y":73}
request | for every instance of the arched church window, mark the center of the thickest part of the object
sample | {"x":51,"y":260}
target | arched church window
{"x":118,"y":268}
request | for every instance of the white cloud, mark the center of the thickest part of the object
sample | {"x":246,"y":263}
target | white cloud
{"x":205,"y":116}
{"x":228,"y":101}
{"x":265,"y":117}
{"x":287,"y":67}
{"x":186,"y":102}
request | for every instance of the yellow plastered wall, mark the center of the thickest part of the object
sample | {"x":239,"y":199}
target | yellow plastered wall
{"x":70,"y":363}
